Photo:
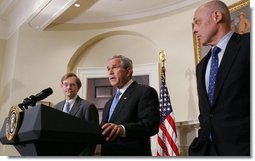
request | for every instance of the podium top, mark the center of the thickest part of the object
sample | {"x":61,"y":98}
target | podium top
{"x":45,"y":124}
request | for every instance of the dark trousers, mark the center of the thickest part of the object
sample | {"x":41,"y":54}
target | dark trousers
{"x":211,"y":149}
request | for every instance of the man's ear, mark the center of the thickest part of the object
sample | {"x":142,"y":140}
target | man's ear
{"x":129,"y":72}
{"x":217,"y":16}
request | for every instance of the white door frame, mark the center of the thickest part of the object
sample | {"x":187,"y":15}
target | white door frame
{"x":151,"y":69}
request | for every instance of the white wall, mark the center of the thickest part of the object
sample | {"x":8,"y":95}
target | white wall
{"x":34,"y":60}
{"x":2,"y":47}
{"x":7,"y":80}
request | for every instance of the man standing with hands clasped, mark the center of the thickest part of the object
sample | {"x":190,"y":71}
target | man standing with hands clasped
{"x":223,"y":84}
{"x":131,"y":116}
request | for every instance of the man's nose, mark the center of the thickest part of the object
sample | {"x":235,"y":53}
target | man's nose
{"x":110,"y":71}
{"x":194,"y":30}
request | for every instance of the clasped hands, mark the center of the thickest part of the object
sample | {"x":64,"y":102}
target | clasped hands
{"x":112,"y":131}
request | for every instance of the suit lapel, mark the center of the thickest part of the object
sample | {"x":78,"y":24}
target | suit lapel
{"x":226,"y":63}
{"x":76,"y":106}
{"x":123,"y":100}
{"x":106,"y":111}
{"x":61,"y":106}
{"x":201,"y":77}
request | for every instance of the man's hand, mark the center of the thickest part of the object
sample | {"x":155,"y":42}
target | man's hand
{"x":113,"y":131}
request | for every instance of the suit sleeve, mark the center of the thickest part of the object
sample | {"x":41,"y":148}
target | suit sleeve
{"x":91,"y":114}
{"x":147,"y":123}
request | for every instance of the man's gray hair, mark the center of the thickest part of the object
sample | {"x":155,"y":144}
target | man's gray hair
{"x":125,"y":62}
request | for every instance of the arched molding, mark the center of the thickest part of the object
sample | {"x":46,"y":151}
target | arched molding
{"x":81,"y":50}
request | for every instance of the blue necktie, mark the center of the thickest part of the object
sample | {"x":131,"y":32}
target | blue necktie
{"x":67,"y":107}
{"x":114,"y":103}
{"x":213,"y":73}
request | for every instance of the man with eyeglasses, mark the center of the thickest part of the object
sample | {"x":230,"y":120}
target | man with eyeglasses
{"x":76,"y":106}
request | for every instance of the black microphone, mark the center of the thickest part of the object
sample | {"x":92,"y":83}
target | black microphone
{"x":43,"y":94}
{"x":31,"y":101}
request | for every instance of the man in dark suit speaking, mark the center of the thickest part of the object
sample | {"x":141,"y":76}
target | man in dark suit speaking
{"x":223,"y":83}
{"x":128,"y":126}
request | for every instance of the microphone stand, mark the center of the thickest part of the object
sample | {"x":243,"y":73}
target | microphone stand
{"x":29,"y":101}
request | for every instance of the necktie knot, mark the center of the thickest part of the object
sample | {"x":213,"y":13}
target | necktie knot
{"x":117,"y":95}
{"x":216,"y":50}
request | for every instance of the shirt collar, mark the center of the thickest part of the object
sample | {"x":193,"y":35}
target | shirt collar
{"x":123,"y":89}
{"x":71,"y":101}
{"x":224,"y":41}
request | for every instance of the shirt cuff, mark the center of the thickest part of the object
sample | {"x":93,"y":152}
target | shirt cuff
{"x":124,"y":131}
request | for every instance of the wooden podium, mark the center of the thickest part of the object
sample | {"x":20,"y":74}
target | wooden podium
{"x":45,"y":131}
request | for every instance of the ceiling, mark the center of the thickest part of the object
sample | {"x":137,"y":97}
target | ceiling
{"x":63,"y":15}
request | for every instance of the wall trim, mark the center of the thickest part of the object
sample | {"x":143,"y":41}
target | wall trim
{"x":151,"y":69}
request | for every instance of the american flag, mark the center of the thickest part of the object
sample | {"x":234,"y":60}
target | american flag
{"x":167,"y":136}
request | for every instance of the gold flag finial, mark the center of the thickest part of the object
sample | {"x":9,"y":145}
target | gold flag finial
{"x":162,"y":56}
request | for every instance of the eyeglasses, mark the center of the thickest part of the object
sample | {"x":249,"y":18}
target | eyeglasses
{"x":70,"y":85}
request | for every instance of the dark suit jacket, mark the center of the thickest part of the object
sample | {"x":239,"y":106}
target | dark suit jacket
{"x":84,"y":110}
{"x":138,"y":112}
{"x":228,"y":120}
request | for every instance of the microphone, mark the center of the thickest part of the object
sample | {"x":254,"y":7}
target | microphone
{"x":43,"y":94}
{"x":31,"y":101}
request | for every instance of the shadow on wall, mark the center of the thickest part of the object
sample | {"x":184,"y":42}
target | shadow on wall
{"x":5,"y":94}
{"x":5,"y":97}
{"x":192,"y":108}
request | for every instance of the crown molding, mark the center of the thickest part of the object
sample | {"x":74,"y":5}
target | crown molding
{"x":93,"y":16}
{"x":37,"y":13}
{"x":48,"y":12}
